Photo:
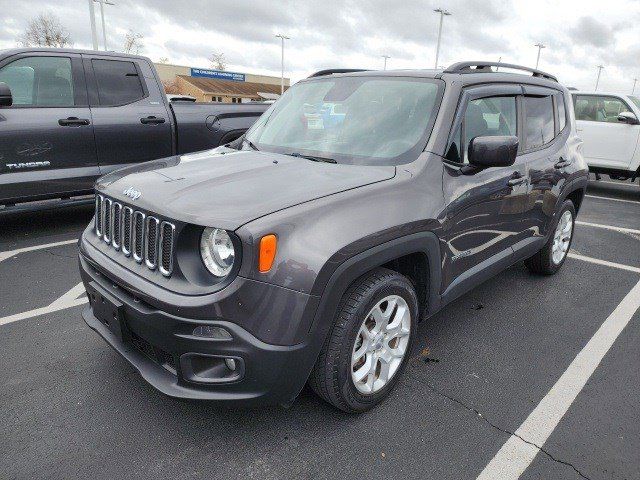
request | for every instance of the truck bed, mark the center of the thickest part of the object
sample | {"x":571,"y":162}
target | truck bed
{"x":201,"y":125}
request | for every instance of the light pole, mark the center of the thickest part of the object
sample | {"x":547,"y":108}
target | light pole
{"x":104,"y":30}
{"x":600,"y":67}
{"x":633,"y":90}
{"x":282,"y":39}
{"x":385,"y":60}
{"x":442,"y":13}
{"x":94,"y":35}
{"x":540,"y":47}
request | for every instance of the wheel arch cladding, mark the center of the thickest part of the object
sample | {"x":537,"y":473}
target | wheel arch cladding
{"x":413,"y":255}
{"x":576,"y":196}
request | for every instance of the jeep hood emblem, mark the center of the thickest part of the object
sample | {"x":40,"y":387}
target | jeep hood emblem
{"x":132,"y":193}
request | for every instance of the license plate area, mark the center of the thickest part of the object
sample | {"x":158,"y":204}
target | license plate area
{"x":107,"y":309}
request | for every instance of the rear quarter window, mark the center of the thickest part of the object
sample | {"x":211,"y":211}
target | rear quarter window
{"x":562,"y":112}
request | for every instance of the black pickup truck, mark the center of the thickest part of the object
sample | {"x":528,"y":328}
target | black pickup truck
{"x":70,"y":116}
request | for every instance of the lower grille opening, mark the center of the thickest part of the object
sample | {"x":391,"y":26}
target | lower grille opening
{"x":156,"y":354}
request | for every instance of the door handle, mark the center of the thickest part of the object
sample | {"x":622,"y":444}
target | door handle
{"x":562,"y":163}
{"x":151,"y":120}
{"x":73,"y":121}
{"x":516,"y":179}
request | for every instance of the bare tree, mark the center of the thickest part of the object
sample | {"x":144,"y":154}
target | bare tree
{"x":133,"y":42}
{"x":163,"y":60}
{"x":218,"y":61}
{"x":45,"y":30}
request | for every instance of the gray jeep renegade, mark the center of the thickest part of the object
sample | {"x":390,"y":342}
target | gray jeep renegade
{"x":308,"y":250}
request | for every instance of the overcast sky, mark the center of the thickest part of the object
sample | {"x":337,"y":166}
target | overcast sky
{"x":355,"y":33}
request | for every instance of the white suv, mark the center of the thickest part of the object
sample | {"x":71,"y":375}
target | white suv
{"x":609,"y":125}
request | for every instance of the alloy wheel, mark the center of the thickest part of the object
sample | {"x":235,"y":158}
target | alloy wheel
{"x":562,"y":237}
{"x":381,"y":344}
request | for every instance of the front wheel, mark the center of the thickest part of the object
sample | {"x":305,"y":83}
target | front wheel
{"x":369,"y":344}
{"x":551,"y":257}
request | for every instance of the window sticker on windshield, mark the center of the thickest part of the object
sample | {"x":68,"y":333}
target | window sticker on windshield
{"x":315,"y":123}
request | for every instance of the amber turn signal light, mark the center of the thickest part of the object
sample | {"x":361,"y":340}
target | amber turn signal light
{"x":268,"y":245}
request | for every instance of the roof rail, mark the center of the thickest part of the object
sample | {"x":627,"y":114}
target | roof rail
{"x":330,"y":71}
{"x":484,"y":67}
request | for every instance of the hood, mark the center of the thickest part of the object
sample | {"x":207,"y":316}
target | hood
{"x":227,"y":188}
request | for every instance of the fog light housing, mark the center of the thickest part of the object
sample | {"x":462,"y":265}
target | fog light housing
{"x":230,"y":363}
{"x":211,"y":331}
{"x":211,"y":369}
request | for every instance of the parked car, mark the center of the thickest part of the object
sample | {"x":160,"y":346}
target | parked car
{"x":69,"y":116}
{"x":609,"y":125}
{"x":300,"y":254}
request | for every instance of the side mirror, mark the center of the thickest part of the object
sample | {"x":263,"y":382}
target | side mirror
{"x":6,"y":100}
{"x":498,"y":151}
{"x":628,"y":117}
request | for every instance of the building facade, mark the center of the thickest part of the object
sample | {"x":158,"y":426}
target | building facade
{"x":210,"y":85}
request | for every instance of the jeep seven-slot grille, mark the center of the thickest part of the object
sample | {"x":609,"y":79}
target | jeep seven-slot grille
{"x":135,"y":233}
{"x":116,"y":224}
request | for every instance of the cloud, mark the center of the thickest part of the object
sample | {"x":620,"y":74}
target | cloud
{"x":355,"y":33}
{"x":590,"y":31}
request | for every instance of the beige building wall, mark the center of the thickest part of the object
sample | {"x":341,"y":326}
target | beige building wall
{"x":250,"y":77}
{"x":169,"y":72}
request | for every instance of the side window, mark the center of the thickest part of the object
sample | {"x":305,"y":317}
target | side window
{"x":595,"y":108}
{"x":483,"y":117}
{"x":538,"y":123}
{"x":562,"y":112}
{"x":40,"y":81}
{"x":118,"y":82}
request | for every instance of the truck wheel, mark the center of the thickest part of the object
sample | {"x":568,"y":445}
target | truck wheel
{"x":552,"y":256}
{"x":369,"y":344}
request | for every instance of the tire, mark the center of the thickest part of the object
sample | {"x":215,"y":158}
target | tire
{"x":543,"y":261}
{"x":393,"y":296}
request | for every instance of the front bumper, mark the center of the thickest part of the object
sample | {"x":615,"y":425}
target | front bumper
{"x":162,"y":347}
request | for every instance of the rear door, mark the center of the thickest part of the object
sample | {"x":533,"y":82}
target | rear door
{"x":546,"y":156}
{"x":608,"y":143}
{"x":131,"y":121}
{"x":486,"y":208}
{"x":46,"y":137}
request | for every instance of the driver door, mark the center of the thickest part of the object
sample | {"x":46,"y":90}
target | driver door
{"x":487,"y":208}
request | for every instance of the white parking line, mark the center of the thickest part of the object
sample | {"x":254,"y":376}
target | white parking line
{"x":595,"y":182}
{"x":12,"y":253}
{"x":613,"y":199}
{"x":522,"y":447}
{"x":68,"y":300}
{"x":608,"y":227}
{"x":605,"y":263}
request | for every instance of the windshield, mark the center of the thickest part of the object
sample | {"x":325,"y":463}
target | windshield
{"x":635,"y":100}
{"x":351,"y":119}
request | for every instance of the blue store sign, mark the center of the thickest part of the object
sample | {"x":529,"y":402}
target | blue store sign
{"x":220,"y":74}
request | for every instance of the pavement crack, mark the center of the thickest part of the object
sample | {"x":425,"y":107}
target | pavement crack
{"x":503,"y":430}
{"x":60,"y":255}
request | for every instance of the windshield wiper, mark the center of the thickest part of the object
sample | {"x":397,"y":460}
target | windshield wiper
{"x":313,"y":158}
{"x":250,"y":143}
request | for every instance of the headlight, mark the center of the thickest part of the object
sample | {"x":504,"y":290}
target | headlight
{"x":217,"y":251}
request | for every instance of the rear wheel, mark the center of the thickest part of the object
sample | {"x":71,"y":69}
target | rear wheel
{"x":369,"y":344}
{"x":552,"y":256}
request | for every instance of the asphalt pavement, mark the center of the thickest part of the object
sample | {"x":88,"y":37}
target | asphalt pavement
{"x":483,"y":369}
